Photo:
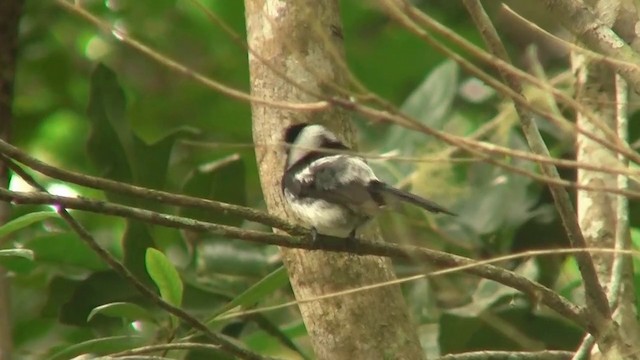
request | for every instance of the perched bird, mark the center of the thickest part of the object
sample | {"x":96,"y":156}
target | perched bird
{"x":335,"y":194}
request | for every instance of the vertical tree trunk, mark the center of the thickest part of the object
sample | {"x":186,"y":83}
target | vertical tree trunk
{"x":303,"y":40}
{"x":10,"y":11}
{"x":604,"y":93}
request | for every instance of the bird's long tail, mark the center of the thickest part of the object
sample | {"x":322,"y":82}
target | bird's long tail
{"x":386,"y":191}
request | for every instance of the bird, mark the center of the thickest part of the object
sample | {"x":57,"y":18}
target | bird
{"x":332,"y":191}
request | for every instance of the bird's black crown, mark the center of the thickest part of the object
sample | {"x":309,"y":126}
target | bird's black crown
{"x":293,"y":131}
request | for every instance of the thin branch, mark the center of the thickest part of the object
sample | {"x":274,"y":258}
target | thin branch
{"x":184,"y":70}
{"x":505,"y":277}
{"x":164,"y":347}
{"x":509,"y":355}
{"x":470,"y":146}
{"x":596,"y":297}
{"x":408,"y":16}
{"x":225,"y":345}
{"x":141,"y":192}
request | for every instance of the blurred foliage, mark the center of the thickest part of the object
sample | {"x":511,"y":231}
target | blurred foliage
{"x":86,"y":103}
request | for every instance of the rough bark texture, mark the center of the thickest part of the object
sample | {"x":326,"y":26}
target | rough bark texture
{"x":10,"y":11}
{"x":303,"y":40}
{"x":599,"y":89}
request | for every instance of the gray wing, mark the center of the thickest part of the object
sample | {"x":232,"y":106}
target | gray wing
{"x":342,"y":182}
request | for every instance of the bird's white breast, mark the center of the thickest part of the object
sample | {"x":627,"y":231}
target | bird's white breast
{"x":327,"y":218}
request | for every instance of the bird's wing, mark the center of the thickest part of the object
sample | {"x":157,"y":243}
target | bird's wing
{"x":340,"y":180}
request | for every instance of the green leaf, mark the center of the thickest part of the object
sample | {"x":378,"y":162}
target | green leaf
{"x":165,"y":275}
{"x":65,"y":249}
{"x":489,"y":292}
{"x":221,"y":180}
{"x":100,"y":346}
{"x":431,"y":101}
{"x":23,"y":253}
{"x":125,"y":310}
{"x":110,"y":143}
{"x":24,"y":221}
{"x":259,"y":291}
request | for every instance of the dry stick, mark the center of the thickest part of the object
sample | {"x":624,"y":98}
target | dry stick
{"x":175,"y":66}
{"x":505,"y":277}
{"x":470,"y":147}
{"x":141,"y":192}
{"x":496,"y":62}
{"x":518,"y":99}
{"x":430,"y":23}
{"x":224,"y":344}
{"x":596,"y":297}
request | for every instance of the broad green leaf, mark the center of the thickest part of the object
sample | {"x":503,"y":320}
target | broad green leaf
{"x":235,"y":258}
{"x":221,"y":180}
{"x":23,"y":253}
{"x":100,"y":346}
{"x":62,"y":249}
{"x":165,"y":276}
{"x":490,"y":292}
{"x":24,"y":221}
{"x":110,"y":143}
{"x":125,"y":310}
{"x":259,"y":291}
{"x":431,"y":101}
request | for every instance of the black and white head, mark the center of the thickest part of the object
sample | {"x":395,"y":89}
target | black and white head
{"x":304,"y":140}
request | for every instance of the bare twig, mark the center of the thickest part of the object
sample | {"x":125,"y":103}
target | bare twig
{"x":141,"y":192}
{"x":508,"y":278}
{"x":596,"y":297}
{"x":408,"y":16}
{"x":184,"y":70}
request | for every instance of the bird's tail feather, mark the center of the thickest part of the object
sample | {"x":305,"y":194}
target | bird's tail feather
{"x":416,"y":200}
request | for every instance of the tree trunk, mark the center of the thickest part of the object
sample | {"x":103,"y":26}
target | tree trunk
{"x":10,"y":11}
{"x":604,"y":222}
{"x":302,"y":40}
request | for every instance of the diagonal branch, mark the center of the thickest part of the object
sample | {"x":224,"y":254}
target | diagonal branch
{"x":225,"y":345}
{"x":441,"y":259}
{"x":595,"y":295}
{"x":141,"y":192}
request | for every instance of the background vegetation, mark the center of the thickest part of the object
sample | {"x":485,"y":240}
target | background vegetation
{"x":84,"y":102}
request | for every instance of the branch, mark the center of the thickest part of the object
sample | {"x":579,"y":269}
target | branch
{"x":141,"y":192}
{"x":412,"y":253}
{"x":594,"y":293}
{"x":225,"y":345}
{"x":509,"y":355}
{"x":232,"y":93}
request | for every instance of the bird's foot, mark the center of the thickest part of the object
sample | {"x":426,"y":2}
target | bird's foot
{"x":314,"y":237}
{"x":351,"y":239}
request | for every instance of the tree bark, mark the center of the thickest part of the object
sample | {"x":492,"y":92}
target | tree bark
{"x":604,"y":93}
{"x":10,"y":11}
{"x":303,"y":41}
